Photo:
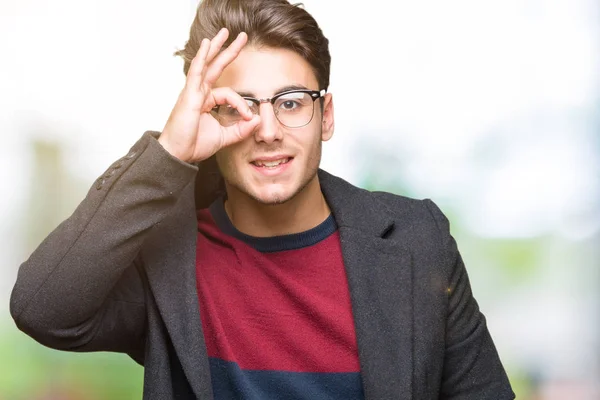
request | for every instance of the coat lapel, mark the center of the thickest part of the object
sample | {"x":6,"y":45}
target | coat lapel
{"x":171,"y":268}
{"x":379,"y":274}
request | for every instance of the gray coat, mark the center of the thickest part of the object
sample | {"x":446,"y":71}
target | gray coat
{"x":119,"y":275}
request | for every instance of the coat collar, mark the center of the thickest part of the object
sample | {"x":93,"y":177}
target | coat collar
{"x":355,"y":208}
{"x":351,"y":206}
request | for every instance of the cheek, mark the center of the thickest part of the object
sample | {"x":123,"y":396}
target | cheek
{"x":231,"y":158}
{"x":223,"y":158}
{"x":312,"y":144}
{"x":309,"y":137}
{"x":311,"y":150}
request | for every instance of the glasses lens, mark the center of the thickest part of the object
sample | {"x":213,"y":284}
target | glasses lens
{"x":227,"y":115}
{"x":294,"y":109}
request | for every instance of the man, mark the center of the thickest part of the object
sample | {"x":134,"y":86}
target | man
{"x":220,"y":257}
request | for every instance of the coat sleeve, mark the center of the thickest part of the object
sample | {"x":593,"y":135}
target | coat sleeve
{"x":472,"y":368}
{"x":81,"y":289}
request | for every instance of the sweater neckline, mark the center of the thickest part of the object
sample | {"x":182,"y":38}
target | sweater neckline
{"x":273,"y":243}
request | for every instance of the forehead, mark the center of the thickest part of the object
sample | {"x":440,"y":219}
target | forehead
{"x":262,"y":71}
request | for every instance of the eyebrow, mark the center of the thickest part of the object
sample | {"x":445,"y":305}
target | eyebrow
{"x":278,"y":91}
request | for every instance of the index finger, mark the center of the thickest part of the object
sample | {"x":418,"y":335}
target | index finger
{"x":207,"y":51}
{"x":216,"y":67}
{"x":216,"y":43}
{"x":197,"y":66}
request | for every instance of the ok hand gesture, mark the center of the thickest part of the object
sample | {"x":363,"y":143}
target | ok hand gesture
{"x":192,"y":133}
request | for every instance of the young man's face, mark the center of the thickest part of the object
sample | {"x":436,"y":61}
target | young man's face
{"x":275,"y":163}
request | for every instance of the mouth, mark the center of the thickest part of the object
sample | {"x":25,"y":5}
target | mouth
{"x":271,"y":164}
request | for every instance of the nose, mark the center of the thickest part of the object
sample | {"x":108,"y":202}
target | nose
{"x":269,"y":129}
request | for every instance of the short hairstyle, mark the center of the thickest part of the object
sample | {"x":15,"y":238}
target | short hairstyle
{"x":270,"y":23}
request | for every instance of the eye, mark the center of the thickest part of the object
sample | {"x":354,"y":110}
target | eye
{"x":291,"y":102}
{"x":289,"y":105}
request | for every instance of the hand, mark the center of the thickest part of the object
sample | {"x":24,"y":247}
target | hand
{"x":191,"y":133}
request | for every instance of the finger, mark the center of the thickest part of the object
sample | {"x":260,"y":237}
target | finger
{"x":225,"y":95}
{"x":216,"y":43}
{"x":240,"y":131}
{"x":216,"y":67}
{"x":196,"y":72}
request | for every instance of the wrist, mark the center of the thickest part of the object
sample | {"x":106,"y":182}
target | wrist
{"x":171,"y":149}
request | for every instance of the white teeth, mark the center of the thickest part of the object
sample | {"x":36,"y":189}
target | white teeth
{"x":271,"y":164}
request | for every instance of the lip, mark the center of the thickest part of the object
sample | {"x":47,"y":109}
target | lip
{"x":271,"y":158}
{"x":272,"y":171}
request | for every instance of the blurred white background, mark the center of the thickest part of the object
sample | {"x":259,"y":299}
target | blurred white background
{"x":492,"y":109}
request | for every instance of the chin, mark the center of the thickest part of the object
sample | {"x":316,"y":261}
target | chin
{"x":272,"y":196}
{"x":268,"y":192}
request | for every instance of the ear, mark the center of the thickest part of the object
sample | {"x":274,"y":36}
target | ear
{"x":328,"y":119}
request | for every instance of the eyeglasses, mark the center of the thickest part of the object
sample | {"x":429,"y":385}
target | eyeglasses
{"x":293,"y":109}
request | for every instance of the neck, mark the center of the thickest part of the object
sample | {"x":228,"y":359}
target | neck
{"x":304,"y":211}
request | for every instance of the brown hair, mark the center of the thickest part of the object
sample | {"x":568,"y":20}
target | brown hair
{"x":271,"y":23}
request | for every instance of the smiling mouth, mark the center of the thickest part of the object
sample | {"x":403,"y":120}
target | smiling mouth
{"x":271,"y":164}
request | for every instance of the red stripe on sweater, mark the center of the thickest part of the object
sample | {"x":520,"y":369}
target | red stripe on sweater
{"x":286,"y":311}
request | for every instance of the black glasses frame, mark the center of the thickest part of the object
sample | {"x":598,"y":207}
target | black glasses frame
{"x":314,"y":94}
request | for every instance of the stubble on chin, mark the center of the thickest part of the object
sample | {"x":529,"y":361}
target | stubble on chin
{"x":312,"y":168}
{"x":276,"y":199}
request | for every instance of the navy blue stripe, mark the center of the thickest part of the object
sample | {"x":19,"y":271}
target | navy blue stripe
{"x":231,"y":382}
{"x":275,"y":243}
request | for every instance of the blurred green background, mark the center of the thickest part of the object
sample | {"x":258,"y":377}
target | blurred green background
{"x":491,"y":109}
